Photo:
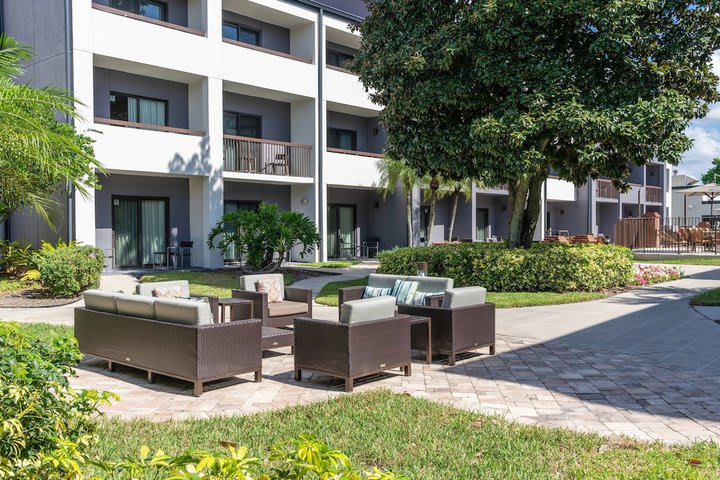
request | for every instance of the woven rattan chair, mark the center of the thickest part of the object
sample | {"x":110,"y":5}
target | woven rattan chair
{"x":350,"y":349}
{"x":296,"y":301}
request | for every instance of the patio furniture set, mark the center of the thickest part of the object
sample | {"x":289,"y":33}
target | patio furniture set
{"x":164,"y":330}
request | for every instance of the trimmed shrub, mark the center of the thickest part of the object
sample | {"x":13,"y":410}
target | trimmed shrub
{"x":546,"y":267}
{"x":71,"y":270}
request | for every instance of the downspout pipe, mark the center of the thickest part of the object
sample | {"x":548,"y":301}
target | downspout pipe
{"x":321,"y":126}
{"x":70,"y":214}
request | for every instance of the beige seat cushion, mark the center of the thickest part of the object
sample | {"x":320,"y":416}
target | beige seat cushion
{"x":136,"y":306}
{"x":286,"y":307}
{"x":367,"y":309}
{"x":187,"y":312}
{"x":146,"y":289}
{"x":100,"y":301}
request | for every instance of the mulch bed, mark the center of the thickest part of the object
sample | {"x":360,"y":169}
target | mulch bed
{"x":33,"y":297}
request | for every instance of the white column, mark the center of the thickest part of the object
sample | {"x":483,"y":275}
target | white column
{"x":304,"y":197}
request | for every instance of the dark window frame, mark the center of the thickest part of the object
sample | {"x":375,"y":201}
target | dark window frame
{"x":342,"y":130}
{"x":138,"y":8}
{"x":240,"y":28}
{"x":139,"y":199}
{"x":339,"y":55}
{"x":142,"y":97}
{"x":237,"y":114}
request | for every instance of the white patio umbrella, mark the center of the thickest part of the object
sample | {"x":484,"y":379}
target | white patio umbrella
{"x":710,"y":190}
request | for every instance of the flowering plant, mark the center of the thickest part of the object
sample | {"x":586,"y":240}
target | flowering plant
{"x":651,"y":274}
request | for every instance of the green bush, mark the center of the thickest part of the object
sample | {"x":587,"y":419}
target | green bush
{"x":45,"y":426}
{"x":16,"y":258}
{"x":71,"y":270}
{"x":546,"y":267}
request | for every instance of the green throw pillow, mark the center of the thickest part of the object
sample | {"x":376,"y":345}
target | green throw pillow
{"x":371,"y":292}
{"x":404,"y":291}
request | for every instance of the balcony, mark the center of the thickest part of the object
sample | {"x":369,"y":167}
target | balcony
{"x":351,"y":168}
{"x":267,"y":157}
{"x":653,"y":194}
{"x":135,"y":16}
{"x":605,"y":190}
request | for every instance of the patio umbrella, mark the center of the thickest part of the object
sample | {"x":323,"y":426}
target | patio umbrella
{"x":710,"y":190}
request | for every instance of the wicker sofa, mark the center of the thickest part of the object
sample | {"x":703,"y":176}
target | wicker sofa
{"x":183,"y":286}
{"x":462,"y":323}
{"x":432,"y":286}
{"x":167,"y":336}
{"x":295,"y":302}
{"x":369,"y":339}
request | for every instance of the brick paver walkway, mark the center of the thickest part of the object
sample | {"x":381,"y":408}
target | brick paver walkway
{"x":579,"y":388}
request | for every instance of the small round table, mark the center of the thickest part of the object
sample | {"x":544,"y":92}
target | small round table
{"x":232,"y":303}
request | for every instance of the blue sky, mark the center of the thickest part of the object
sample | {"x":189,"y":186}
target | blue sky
{"x":706,"y":136}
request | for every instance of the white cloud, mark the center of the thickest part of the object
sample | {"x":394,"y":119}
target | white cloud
{"x":706,"y":146}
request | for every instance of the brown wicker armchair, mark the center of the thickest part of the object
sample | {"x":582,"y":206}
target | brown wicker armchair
{"x":455,"y":329}
{"x":428,"y":285}
{"x":353,"y":348}
{"x":296,"y":301}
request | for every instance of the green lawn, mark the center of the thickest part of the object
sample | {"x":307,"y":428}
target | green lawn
{"x":331,"y":264}
{"x":712,"y":261}
{"x":13,"y":284}
{"x":218,"y":283}
{"x":422,"y":439}
{"x":328,"y":296}
{"x":711,"y":298}
{"x":45,"y":331}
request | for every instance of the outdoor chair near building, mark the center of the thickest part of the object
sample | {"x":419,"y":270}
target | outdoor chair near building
{"x":429,"y":289}
{"x":369,"y":338}
{"x":463,"y":322}
{"x":274,"y":303}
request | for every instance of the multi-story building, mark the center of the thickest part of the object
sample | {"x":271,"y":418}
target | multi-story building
{"x":200,"y":107}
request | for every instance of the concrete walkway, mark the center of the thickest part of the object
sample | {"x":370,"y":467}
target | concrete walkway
{"x":335,"y":275}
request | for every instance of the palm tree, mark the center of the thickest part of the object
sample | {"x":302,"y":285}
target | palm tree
{"x":457,"y":187}
{"x":37,"y":153}
{"x":434,"y":191}
{"x":392,"y":173}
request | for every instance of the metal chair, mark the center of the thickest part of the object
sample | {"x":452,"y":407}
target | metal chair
{"x":185,"y":250}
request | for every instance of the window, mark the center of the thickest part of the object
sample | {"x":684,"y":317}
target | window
{"x":338,"y":59}
{"x":131,"y":108}
{"x":243,"y":125}
{"x":343,"y":139}
{"x":233,"y":31}
{"x":147,"y":8}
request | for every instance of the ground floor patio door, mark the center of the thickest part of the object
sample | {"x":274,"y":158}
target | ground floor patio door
{"x":140,"y":230}
{"x":341,"y":231}
{"x":481,"y":224}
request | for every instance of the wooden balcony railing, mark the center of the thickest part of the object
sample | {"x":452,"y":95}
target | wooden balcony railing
{"x":653,"y":194}
{"x":267,"y":50}
{"x":135,"y":16}
{"x":148,"y":126}
{"x":268,"y":157}
{"x":355,"y":152}
{"x":605,"y":189}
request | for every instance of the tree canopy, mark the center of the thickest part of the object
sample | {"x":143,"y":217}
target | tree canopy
{"x":38,"y":154}
{"x":713,"y":173}
{"x":506,"y":90}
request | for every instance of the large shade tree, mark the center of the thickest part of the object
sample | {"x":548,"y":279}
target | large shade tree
{"x":39,"y":156}
{"x":504,"y":90}
{"x":713,"y":173}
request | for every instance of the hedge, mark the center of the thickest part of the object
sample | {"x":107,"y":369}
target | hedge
{"x":71,"y":270}
{"x":546,"y":267}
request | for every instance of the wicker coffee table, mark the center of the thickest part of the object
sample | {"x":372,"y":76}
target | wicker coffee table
{"x":232,"y":303}
{"x":418,"y":320}
{"x":277,"y":337}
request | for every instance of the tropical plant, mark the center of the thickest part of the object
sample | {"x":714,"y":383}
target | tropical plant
{"x":33,"y":272}
{"x":46,"y":426}
{"x":393,"y":173}
{"x":503,"y":91}
{"x":713,"y":173}
{"x":16,"y":258}
{"x":263,"y":237}
{"x":39,"y":156}
{"x":66,"y":272}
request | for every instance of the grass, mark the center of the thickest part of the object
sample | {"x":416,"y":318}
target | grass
{"x":218,"y":283}
{"x":328,"y":296}
{"x":421,"y":439}
{"x":711,"y":298}
{"x":13,"y":284}
{"x":711,"y":261}
{"x":331,"y":264}
{"x":45,"y":332}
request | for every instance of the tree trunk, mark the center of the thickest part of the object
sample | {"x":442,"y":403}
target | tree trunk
{"x":434,"y":185}
{"x":409,"y":218}
{"x":524,"y":207}
{"x":453,"y":213}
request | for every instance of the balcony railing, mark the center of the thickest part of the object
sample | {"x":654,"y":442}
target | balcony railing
{"x":355,"y":152}
{"x":605,"y":189}
{"x":653,"y":194}
{"x":268,"y":157}
{"x":148,"y":126}
{"x":266,"y":50}
{"x":135,"y":16}
{"x":340,"y":69}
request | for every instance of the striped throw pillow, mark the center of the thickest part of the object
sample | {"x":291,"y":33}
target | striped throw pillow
{"x":419,"y":298}
{"x":371,"y":292}
{"x":404,"y":291}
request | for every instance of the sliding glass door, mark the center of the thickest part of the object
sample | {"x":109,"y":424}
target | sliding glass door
{"x":341,"y":231}
{"x":230,"y":207}
{"x":140,"y":230}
